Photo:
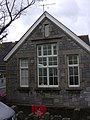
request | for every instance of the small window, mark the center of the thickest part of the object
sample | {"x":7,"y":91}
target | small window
{"x":73,"y":71}
{"x":23,"y":72}
{"x":46,"y":30}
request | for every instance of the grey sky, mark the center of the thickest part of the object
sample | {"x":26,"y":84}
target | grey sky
{"x":75,"y":14}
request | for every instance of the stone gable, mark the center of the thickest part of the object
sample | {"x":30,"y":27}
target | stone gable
{"x":62,"y":95}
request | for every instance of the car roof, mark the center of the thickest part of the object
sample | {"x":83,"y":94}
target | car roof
{"x":5,"y":111}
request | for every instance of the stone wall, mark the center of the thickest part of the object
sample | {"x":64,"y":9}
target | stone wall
{"x":63,"y":96}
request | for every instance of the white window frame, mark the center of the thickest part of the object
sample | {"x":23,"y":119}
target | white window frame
{"x":47,"y":66}
{"x":21,"y":68}
{"x":74,"y":65}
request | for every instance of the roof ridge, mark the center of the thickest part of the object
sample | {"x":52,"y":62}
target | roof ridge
{"x":58,"y":23}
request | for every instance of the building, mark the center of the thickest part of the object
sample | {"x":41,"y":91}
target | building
{"x":49,"y":65}
{"x":4,"y":49}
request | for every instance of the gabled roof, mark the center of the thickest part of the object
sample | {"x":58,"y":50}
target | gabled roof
{"x":64,"y":28}
{"x":85,"y":38}
{"x":4,"y":49}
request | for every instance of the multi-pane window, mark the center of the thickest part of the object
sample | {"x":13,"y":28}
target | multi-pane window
{"x":47,"y":65}
{"x":73,"y":71}
{"x":23,"y":72}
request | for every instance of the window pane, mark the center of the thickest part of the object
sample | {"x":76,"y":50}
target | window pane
{"x":75,"y":70}
{"x":49,"y":50}
{"x":45,"y":50}
{"x":24,"y":77}
{"x":40,"y":71}
{"x":45,"y":71}
{"x":50,"y":71}
{"x":51,"y":76}
{"x":39,"y":51}
{"x":40,"y":61}
{"x":42,"y":83}
{"x":24,"y":81}
{"x":73,"y":73}
{"x":45,"y":80}
{"x":44,"y":61}
{"x":76,"y":80}
{"x":70,"y":62}
{"x":24,"y":63}
{"x":24,"y":73}
{"x":40,"y":80}
{"x":55,"y":81}
{"x":42,"y":76}
{"x":51,"y":81}
{"x":52,"y":60}
{"x":54,"y":49}
{"x":55,"y":71}
{"x":70,"y":70}
{"x":71,"y":80}
{"x":73,"y":59}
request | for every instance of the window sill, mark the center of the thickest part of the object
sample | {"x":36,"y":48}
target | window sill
{"x":24,"y":89}
{"x":47,"y":89}
{"x":74,"y":89}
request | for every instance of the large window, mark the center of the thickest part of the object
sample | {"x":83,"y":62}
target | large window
{"x":73,"y":71}
{"x":23,"y":72}
{"x":47,"y":65}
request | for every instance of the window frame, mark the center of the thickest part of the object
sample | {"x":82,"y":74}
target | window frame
{"x":73,"y":65}
{"x":47,"y":66}
{"x":25,"y":68}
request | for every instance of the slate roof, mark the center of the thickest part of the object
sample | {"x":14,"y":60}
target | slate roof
{"x":85,"y":38}
{"x":4,"y":49}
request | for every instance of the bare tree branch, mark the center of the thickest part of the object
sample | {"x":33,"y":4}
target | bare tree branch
{"x":13,"y":5}
{"x":3,"y":36}
{"x":10,"y":10}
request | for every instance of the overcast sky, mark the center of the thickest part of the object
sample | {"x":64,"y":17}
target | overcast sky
{"x":75,"y":14}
